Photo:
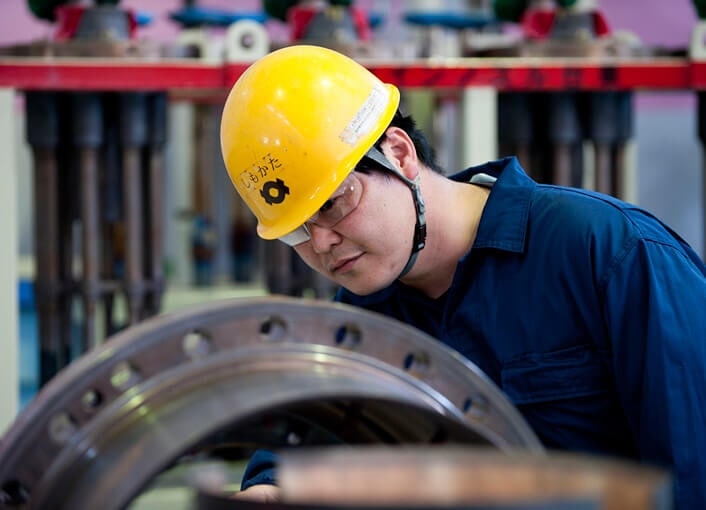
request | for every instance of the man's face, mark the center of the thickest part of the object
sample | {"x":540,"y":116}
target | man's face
{"x":366,"y":250}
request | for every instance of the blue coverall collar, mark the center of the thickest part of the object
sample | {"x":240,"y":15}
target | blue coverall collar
{"x":503,"y":224}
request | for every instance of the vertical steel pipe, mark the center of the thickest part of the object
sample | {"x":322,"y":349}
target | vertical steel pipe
{"x":111,"y":202}
{"x":603,"y":131}
{"x":133,"y":131}
{"x":515,"y":128}
{"x":154,"y":217}
{"x":564,"y":134}
{"x":87,"y":133}
{"x":42,"y":135}
{"x":68,"y":198}
{"x":701,"y":127}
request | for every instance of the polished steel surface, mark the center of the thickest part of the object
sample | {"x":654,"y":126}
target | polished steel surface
{"x":113,"y":420}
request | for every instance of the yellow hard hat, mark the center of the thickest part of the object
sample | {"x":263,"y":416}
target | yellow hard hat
{"x":294,"y":125}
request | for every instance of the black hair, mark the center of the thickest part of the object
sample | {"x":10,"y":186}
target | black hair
{"x":425,"y":152}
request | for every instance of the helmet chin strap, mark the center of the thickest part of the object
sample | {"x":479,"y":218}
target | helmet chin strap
{"x":420,"y":229}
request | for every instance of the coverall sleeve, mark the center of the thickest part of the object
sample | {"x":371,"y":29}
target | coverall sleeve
{"x":260,"y":470}
{"x":655,"y":311}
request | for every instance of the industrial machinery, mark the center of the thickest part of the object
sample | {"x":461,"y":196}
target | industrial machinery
{"x":272,"y":372}
{"x":547,"y":130}
{"x":346,"y":395}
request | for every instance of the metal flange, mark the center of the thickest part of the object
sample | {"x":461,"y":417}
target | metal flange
{"x":105,"y":426}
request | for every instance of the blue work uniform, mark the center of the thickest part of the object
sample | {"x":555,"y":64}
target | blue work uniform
{"x":589,"y":313}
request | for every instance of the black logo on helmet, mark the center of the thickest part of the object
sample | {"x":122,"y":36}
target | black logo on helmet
{"x":274,"y":192}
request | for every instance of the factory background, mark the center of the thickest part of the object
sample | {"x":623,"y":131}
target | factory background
{"x":664,"y":155}
{"x":667,"y":149}
{"x":665,"y":158}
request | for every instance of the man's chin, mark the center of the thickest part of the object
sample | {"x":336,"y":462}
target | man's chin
{"x":364,"y":289}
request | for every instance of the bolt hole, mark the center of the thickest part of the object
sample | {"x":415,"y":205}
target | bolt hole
{"x":476,"y":407}
{"x":273,"y":329}
{"x":61,"y":428}
{"x":348,"y":336}
{"x":13,"y":493}
{"x":124,"y":376}
{"x":247,"y":41}
{"x":92,"y":400}
{"x":417,"y":363}
{"x":196,"y":345}
{"x":294,"y":439}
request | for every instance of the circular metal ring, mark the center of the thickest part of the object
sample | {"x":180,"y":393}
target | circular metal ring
{"x":106,"y":425}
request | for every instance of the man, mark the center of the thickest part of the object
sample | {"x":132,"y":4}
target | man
{"x":588,"y":312}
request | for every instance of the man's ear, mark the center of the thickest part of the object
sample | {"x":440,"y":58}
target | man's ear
{"x":399,"y":149}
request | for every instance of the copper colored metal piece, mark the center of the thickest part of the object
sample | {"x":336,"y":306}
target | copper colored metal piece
{"x":447,"y":477}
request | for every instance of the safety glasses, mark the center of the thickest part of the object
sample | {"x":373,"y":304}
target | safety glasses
{"x":344,"y":199}
{"x":339,"y":205}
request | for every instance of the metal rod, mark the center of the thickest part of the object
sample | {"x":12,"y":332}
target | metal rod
{"x":561,"y":173}
{"x":133,"y":136}
{"x":604,"y":168}
{"x":88,"y":136}
{"x":564,"y":134}
{"x":154,"y":241}
{"x":603,"y":131}
{"x":68,"y":215}
{"x":43,"y":136}
{"x":111,"y":198}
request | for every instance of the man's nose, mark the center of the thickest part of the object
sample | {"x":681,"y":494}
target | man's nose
{"x":323,"y":238}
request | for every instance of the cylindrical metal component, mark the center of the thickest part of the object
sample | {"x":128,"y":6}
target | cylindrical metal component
{"x":69,"y":214}
{"x":515,"y":126}
{"x":113,"y":246}
{"x":603,"y":131}
{"x":43,"y":136}
{"x":154,"y":163}
{"x":564,"y":133}
{"x":133,"y":131}
{"x":562,"y":161}
{"x":204,"y":236}
{"x":625,"y":131}
{"x":701,"y":129}
{"x":118,"y":416}
{"x":462,"y":477}
{"x":87,"y":134}
{"x":604,"y":168}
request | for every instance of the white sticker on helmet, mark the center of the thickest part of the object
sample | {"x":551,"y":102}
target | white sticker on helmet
{"x":368,"y":115}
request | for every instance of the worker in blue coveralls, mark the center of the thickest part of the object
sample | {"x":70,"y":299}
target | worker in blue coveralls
{"x":588,"y":312}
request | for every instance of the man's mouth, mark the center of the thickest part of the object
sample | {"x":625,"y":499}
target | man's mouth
{"x":343,"y":265}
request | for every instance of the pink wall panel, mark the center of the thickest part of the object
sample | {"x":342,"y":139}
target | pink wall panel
{"x":656,"y":22}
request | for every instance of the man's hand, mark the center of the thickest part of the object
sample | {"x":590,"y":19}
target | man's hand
{"x":260,"y":493}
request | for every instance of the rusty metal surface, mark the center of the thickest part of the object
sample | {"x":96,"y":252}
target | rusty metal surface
{"x":114,"y":419}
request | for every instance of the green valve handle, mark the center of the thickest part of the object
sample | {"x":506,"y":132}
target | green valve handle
{"x":700,"y":6}
{"x":512,"y":10}
{"x":509,"y":10}
{"x":44,"y":9}
{"x":278,"y":8}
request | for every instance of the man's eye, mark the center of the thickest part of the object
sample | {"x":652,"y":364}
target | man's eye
{"x":327,"y":205}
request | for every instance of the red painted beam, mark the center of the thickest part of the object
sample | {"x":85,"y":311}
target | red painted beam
{"x":103,"y":75}
{"x":503,"y":74}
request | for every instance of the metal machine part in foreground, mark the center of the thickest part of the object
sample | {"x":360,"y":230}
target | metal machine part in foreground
{"x":112,"y":421}
{"x":457,"y":477}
